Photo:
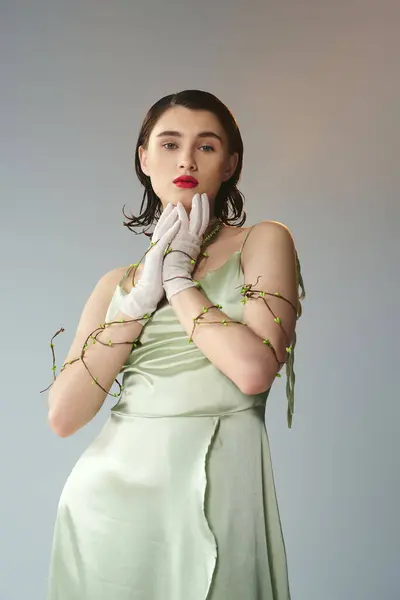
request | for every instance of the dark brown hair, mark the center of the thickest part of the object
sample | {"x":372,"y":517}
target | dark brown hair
{"x":228,"y":196}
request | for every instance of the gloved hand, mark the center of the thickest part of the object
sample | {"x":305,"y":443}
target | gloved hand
{"x":180,"y":259}
{"x":148,"y":291}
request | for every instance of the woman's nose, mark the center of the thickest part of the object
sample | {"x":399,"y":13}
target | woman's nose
{"x":187,"y":162}
{"x":187,"y":165}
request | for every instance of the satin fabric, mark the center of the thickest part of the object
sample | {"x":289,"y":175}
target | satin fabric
{"x":175,"y":498}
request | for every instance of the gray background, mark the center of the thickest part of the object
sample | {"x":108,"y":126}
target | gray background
{"x":315,"y":89}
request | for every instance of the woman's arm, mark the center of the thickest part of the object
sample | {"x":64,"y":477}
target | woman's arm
{"x":269,"y":265}
{"x":74,"y":399}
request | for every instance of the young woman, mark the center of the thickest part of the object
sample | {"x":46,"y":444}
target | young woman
{"x":175,"y":498}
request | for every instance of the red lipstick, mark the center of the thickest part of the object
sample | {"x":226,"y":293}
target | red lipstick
{"x":186,"y":181}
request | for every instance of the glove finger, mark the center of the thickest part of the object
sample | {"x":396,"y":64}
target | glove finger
{"x":195,"y":216}
{"x":165,"y":222}
{"x":183,"y":216}
{"x":168,"y":236}
{"x":165,"y":212}
{"x":155,"y":256}
{"x":204,"y":213}
{"x":160,"y":226}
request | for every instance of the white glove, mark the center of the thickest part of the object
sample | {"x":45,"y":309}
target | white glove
{"x":180,"y":260}
{"x":148,"y":291}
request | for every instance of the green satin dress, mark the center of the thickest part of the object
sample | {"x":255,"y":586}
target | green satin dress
{"x":175,"y":498}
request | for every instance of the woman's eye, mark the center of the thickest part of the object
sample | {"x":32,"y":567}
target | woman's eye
{"x":206,"y":147}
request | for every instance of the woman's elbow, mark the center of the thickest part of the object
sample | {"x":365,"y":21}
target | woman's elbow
{"x":254,"y":381}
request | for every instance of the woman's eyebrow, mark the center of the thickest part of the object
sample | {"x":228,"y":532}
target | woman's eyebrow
{"x":203,"y":134}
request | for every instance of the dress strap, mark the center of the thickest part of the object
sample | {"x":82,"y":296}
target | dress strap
{"x":126,"y":275}
{"x":245,"y":239}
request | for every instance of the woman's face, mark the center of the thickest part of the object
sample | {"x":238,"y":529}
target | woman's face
{"x":187,"y":142}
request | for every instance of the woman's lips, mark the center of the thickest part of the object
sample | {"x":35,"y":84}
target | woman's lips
{"x":185,"y":184}
{"x":186,"y":181}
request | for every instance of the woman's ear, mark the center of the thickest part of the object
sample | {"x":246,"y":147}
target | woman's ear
{"x":143,"y":160}
{"x":231,"y":165}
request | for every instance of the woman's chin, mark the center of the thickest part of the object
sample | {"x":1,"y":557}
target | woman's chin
{"x":186,"y":199}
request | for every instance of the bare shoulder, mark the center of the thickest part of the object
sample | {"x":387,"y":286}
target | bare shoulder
{"x":103,"y":291}
{"x":105,"y":287}
{"x":110,"y":279}
{"x":114,"y":274}
{"x":270,"y":256}
{"x":95,"y":309}
{"x":269,"y":235}
{"x":272,"y":228}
